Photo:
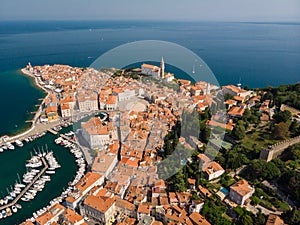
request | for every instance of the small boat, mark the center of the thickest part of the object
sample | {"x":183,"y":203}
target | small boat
{"x":3,"y":212}
{"x":14,"y":209}
{"x":24,"y":199}
{"x":8,"y":211}
{"x":10,"y":146}
{"x":20,"y":185}
{"x":18,"y":206}
{"x":1,"y":149}
{"x":13,"y":194}
{"x":19,"y":143}
{"x":50,"y":172}
{"x":17,"y":191}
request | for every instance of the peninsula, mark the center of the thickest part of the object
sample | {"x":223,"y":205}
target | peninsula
{"x":129,"y":121}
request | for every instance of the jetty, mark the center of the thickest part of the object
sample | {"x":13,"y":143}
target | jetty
{"x":28,"y":186}
{"x":52,"y":131}
{"x":68,"y":138}
{"x":62,"y":135}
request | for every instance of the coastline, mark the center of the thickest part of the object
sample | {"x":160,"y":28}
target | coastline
{"x":35,"y":128}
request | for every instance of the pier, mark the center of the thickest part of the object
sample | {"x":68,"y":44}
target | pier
{"x":68,"y":138}
{"x":52,"y":131}
{"x":62,"y":135}
{"x":28,"y":186}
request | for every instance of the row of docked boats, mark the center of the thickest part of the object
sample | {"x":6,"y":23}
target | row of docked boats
{"x":33,"y":169}
{"x":34,"y":162}
{"x":12,"y":192}
{"x":7,"y":146}
{"x":52,"y":164}
{"x":19,"y":143}
{"x":38,"y":186}
{"x":9,"y":211}
{"x":78,"y":155}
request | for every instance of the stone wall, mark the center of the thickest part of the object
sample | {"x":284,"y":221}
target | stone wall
{"x":277,"y":149}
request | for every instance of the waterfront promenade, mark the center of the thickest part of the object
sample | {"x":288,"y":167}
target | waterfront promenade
{"x":36,"y":129}
{"x":28,"y":186}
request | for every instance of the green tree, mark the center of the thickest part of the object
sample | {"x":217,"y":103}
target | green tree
{"x":282,"y":116}
{"x":259,"y":219}
{"x":247,"y":220}
{"x":271,"y":171}
{"x":239,"y":131}
{"x":180,"y":183}
{"x":281,"y":131}
{"x":292,"y":217}
{"x":227,"y":96}
{"x":247,"y":114}
{"x":267,"y":96}
{"x":293,"y":127}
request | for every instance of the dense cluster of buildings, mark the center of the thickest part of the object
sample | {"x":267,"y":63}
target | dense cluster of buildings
{"x":123,"y":185}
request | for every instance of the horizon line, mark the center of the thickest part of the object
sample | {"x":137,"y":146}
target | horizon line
{"x":149,"y":20}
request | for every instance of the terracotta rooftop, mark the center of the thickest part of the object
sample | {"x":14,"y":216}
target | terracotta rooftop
{"x":198,"y":219}
{"x":87,"y":181}
{"x":241,"y":187}
{"x":99,"y":203}
{"x":50,"y":213}
{"x":236,"y":111}
{"x":144,"y":209}
{"x":274,"y":220}
{"x":125,"y":204}
{"x":72,"y":216}
{"x":213,"y":167}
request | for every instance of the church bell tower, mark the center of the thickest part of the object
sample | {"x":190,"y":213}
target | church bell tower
{"x":162,"y":68}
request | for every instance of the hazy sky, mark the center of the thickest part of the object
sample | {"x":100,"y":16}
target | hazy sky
{"x":216,"y":10}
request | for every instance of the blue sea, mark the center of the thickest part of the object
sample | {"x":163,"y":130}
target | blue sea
{"x":255,"y":54}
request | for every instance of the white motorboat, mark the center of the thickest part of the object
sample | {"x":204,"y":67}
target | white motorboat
{"x":19,"y":143}
{"x":25,"y":199}
{"x":50,"y":172}
{"x":14,"y":208}
{"x":10,"y":146}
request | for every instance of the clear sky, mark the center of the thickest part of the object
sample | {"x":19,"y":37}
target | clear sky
{"x":207,"y":10}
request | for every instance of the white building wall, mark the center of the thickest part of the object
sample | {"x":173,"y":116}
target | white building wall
{"x":216,"y":175}
{"x":126,"y":95}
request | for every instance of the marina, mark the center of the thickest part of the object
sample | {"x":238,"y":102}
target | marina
{"x":51,"y":193}
{"x":27,"y":187}
{"x":34,"y":179}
